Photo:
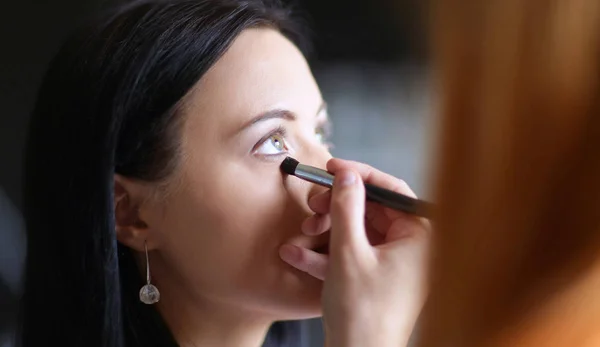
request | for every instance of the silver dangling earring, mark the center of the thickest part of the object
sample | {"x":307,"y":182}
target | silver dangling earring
{"x":149,"y":294}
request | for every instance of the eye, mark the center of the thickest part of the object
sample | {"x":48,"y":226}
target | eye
{"x":323,"y":134}
{"x":272,"y":145}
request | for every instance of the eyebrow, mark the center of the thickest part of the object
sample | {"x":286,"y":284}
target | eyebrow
{"x":276,"y":114}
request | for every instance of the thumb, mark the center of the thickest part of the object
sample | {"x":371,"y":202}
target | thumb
{"x":347,"y":214}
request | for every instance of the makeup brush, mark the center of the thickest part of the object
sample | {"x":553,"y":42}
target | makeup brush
{"x":374,"y":193}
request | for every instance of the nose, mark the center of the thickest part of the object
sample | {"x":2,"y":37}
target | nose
{"x":316,"y":155}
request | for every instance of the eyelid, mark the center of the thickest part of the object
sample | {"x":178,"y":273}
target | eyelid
{"x":280,"y":130}
{"x":326,"y":125}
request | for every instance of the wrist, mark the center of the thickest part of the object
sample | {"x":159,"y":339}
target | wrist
{"x":377,"y":334}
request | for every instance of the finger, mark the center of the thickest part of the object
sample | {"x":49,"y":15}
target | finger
{"x":407,"y":226}
{"x":371,"y":175}
{"x":316,"y":224}
{"x":347,"y":214}
{"x":320,"y":203}
{"x":375,"y":236}
{"x":305,"y":260}
{"x":377,"y":218}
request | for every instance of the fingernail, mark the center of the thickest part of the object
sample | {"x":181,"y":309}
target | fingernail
{"x":346,"y":178}
{"x":290,"y":253}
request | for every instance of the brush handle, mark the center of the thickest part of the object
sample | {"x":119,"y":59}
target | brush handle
{"x":377,"y":194}
{"x":397,"y":201}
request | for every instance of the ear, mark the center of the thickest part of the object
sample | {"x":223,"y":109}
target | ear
{"x":129,"y":196}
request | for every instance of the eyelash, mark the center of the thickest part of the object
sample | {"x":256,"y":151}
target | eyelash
{"x":324,"y":128}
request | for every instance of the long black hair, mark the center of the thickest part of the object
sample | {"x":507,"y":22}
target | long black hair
{"x":109,"y":104}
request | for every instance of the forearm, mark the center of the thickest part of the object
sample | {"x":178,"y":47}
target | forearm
{"x":380,"y":342}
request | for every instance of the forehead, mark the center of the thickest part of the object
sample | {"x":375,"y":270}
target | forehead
{"x":261,"y":70}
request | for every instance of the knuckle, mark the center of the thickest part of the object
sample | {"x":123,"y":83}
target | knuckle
{"x":316,"y":265}
{"x":339,"y":201}
{"x":369,"y":172}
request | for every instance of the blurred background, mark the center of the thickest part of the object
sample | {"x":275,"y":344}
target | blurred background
{"x":369,"y":59}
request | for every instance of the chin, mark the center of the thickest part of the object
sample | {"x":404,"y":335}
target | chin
{"x":299,"y":311}
{"x":301,"y":295}
{"x":286,"y":293}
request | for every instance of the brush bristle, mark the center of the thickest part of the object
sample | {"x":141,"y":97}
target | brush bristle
{"x":289,"y":165}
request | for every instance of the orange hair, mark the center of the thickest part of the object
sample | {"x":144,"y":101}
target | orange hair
{"x":517,"y":237}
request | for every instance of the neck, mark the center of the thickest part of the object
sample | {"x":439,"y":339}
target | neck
{"x":206,"y":323}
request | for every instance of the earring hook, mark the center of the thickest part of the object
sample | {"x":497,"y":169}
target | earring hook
{"x":149,"y":294}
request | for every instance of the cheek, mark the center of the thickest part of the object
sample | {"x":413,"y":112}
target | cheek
{"x":236,"y":224}
{"x":252,"y":196}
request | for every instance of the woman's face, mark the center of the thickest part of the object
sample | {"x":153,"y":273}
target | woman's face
{"x":215,"y":238}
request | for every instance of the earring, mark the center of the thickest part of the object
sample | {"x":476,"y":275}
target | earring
{"x":149,"y":294}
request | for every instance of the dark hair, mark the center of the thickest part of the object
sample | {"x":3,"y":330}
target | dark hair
{"x":109,"y":104}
